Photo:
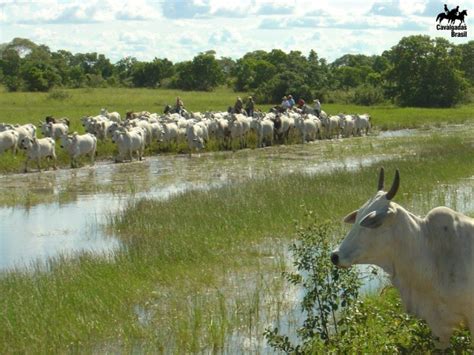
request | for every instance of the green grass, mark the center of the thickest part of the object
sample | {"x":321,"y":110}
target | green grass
{"x":181,"y":257}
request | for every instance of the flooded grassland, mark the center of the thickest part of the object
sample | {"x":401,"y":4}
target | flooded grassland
{"x":185,"y":253}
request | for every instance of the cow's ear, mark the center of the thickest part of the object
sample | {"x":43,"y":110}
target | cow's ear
{"x":351,"y":217}
{"x":373,"y":219}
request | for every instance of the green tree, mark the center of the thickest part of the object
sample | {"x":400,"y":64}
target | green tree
{"x":424,"y":72}
{"x":203,"y":73}
{"x":467,"y":60}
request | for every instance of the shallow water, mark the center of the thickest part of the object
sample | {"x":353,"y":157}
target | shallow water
{"x":62,"y":211}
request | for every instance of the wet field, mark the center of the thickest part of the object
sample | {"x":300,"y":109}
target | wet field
{"x":63,"y":212}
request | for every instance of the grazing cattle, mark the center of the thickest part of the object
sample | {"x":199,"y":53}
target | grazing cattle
{"x":264,"y":129}
{"x":307,"y":127}
{"x":239,"y":126}
{"x":25,"y":131}
{"x":348,"y":126}
{"x":112,"y":116}
{"x":430,"y":260}
{"x":8,"y":140}
{"x":331,"y":126}
{"x":282,"y":125}
{"x":170,"y":133}
{"x":37,"y":149}
{"x":77,"y":145}
{"x":362,"y":123}
{"x":54,"y":130}
{"x":195,"y":137}
{"x":129,"y":142}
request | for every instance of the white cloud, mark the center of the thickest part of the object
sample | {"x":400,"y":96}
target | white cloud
{"x":224,"y":36}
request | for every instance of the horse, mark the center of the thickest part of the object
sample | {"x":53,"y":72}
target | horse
{"x":450,"y":16}
{"x":459,"y":17}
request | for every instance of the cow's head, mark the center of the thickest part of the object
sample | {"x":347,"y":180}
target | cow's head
{"x":367,"y":241}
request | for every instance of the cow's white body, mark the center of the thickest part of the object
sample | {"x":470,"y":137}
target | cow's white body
{"x":430,"y":260}
{"x":37,"y":149}
{"x":77,"y":145}
{"x":8,"y":140}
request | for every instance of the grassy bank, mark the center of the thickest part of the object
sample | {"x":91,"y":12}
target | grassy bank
{"x":173,"y":285}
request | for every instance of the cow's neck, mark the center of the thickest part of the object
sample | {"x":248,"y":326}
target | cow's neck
{"x":402,"y":260}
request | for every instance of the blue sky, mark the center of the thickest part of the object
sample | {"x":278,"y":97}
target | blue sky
{"x":178,"y":30}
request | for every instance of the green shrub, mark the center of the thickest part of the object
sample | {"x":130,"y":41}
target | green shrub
{"x":60,"y":95}
{"x":367,"y":95}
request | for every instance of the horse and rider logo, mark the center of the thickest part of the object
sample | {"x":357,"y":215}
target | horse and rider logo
{"x":452,"y":16}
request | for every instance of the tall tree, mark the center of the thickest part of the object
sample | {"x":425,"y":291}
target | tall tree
{"x":424,"y":72}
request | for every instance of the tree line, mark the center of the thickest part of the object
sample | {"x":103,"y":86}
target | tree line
{"x":418,"y":71}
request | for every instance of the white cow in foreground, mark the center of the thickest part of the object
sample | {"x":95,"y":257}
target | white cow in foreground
{"x":37,"y":149}
{"x":430,"y":260}
{"x":77,"y":145}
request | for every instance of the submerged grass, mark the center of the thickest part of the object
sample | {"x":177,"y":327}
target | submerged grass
{"x":170,"y":287}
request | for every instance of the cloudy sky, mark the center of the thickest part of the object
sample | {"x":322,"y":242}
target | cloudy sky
{"x":180,"y":29}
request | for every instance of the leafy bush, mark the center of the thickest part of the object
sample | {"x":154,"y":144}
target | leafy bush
{"x":367,"y":95}
{"x":59,"y":95}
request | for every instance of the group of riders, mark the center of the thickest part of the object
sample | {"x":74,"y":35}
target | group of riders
{"x":451,"y":15}
{"x":288,"y":103}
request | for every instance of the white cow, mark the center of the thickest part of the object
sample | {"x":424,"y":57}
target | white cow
{"x":129,"y":142}
{"x":331,"y":126}
{"x":348,"y":126}
{"x":37,"y":149}
{"x":77,"y":145}
{"x":113,"y":116}
{"x":264,"y":129}
{"x":25,"y":131}
{"x":307,"y":127}
{"x":9,"y":140}
{"x":170,"y":133}
{"x":430,"y":260}
{"x":54,"y":130}
{"x":195,"y":137}
{"x":362,"y":123}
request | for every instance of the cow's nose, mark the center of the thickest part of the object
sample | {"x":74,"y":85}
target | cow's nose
{"x":335,"y":258}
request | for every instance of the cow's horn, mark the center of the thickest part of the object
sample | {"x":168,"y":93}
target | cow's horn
{"x":381,"y":179}
{"x":396,"y":183}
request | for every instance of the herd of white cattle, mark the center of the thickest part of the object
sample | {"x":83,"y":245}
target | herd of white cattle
{"x":139,"y":129}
